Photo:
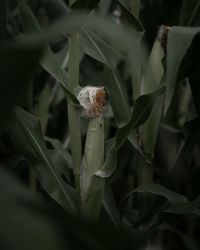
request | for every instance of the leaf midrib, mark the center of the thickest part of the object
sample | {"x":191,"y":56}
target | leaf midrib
{"x":46,"y":161}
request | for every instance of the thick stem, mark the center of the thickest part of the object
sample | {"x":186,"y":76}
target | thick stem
{"x":73,"y":114}
{"x":92,"y":187}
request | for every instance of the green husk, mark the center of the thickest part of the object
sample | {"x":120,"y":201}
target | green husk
{"x":92,"y":187}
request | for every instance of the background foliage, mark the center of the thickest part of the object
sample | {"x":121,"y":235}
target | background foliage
{"x":151,"y":161}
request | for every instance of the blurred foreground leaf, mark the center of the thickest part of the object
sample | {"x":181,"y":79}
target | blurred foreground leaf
{"x":49,"y":61}
{"x":189,"y":10}
{"x":17,"y":64}
{"x":34,"y":226}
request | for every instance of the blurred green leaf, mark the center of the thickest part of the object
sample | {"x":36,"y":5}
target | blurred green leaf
{"x":14,"y":161}
{"x":179,"y":41}
{"x":141,"y":112}
{"x":14,"y":85}
{"x":189,"y":10}
{"x":130,"y":18}
{"x":30,"y":229}
{"x":85,"y":4}
{"x":97,"y":48}
{"x":25,"y":131}
{"x":49,"y":61}
{"x":42,"y":227}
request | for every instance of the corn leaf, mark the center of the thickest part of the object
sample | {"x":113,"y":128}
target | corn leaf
{"x":179,"y":41}
{"x":25,"y":131}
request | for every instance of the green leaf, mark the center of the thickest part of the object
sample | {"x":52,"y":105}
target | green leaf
{"x":85,"y":4}
{"x":49,"y":61}
{"x":97,"y":48}
{"x":178,"y":204}
{"x":15,"y":75}
{"x":141,"y":112}
{"x":130,"y":18}
{"x":185,"y":208}
{"x":160,"y":190}
{"x":57,"y":145}
{"x":25,"y":131}
{"x":119,"y":103}
{"x":179,"y":41}
{"x":189,"y":10}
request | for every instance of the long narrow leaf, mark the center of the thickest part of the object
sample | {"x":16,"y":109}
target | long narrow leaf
{"x":25,"y":131}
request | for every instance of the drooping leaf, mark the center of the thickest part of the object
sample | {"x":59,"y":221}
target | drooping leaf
{"x":141,"y":112}
{"x":14,"y":85}
{"x":25,"y":131}
{"x":177,"y":203}
{"x":160,"y":190}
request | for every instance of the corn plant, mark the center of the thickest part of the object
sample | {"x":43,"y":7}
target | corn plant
{"x":99,"y":106}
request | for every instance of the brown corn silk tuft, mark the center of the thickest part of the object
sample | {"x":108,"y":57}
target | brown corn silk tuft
{"x":163,"y":32}
{"x":99,"y":105}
